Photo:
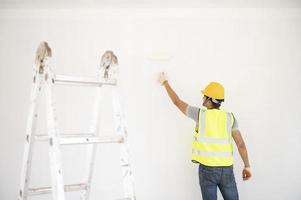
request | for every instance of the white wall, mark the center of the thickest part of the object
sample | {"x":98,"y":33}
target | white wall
{"x":255,"y":53}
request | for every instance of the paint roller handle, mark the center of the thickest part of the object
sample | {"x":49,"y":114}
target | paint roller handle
{"x":162,"y":78}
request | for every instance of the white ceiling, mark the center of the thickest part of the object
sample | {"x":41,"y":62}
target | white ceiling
{"x":149,"y":3}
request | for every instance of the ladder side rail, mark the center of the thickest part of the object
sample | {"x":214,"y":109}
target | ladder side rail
{"x":30,"y":132}
{"x":120,"y":125}
{"x":92,"y":148}
{"x":53,"y":133}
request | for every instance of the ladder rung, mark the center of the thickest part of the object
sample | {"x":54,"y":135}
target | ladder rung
{"x":91,"y":140}
{"x":88,"y":81}
{"x":45,"y":138}
{"x":48,"y":190}
{"x":80,"y":139}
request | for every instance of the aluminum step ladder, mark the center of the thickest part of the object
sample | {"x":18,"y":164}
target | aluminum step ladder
{"x":44,"y":80}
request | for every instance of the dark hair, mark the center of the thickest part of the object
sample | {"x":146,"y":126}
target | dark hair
{"x":215,"y":105}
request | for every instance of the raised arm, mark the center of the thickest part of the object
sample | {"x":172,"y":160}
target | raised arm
{"x":171,"y":93}
{"x":242,"y":149}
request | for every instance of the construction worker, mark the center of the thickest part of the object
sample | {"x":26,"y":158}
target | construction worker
{"x":212,"y":146}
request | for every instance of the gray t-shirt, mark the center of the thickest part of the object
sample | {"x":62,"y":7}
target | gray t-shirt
{"x":193,"y":113}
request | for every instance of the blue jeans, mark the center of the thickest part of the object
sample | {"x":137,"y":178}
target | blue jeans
{"x":222,"y":177}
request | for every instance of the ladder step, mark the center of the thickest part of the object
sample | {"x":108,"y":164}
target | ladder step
{"x":87,"y":81}
{"x":45,"y":138}
{"x":48,"y":190}
{"x":91,"y":140}
{"x":83,"y":139}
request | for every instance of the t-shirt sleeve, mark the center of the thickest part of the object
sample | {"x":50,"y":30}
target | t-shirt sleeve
{"x":193,"y":112}
{"x":235,"y":124}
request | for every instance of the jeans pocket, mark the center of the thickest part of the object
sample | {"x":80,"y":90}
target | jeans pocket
{"x":208,"y":177}
{"x":228,"y":179}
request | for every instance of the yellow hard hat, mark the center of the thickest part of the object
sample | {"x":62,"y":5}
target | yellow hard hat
{"x":214,"y":90}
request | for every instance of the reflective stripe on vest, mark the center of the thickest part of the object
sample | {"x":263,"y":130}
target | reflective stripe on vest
{"x":217,"y":154}
{"x":212,"y":146}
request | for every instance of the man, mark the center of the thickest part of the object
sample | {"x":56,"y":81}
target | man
{"x":212,"y":146}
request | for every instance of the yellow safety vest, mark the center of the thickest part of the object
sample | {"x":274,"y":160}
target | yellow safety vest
{"x":212,"y":144}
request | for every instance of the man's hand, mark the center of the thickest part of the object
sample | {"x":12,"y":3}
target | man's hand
{"x":162,"y":78}
{"x":246,"y":173}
